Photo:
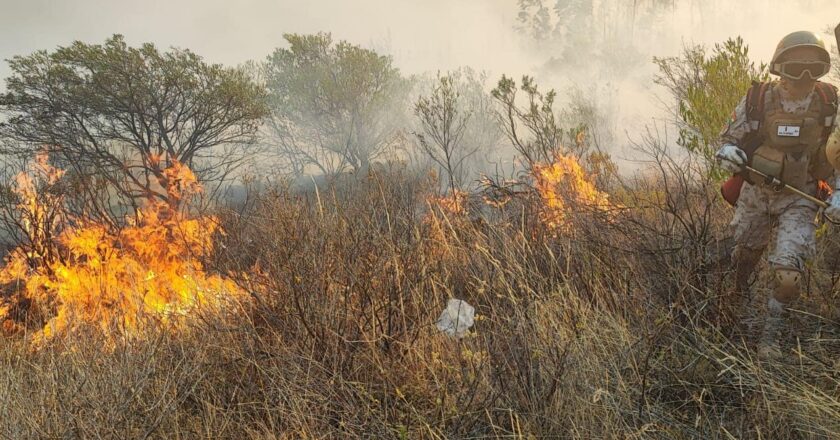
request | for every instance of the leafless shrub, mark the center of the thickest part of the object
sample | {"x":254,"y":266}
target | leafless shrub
{"x":609,"y":331}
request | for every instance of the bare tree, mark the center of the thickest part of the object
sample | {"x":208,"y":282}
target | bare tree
{"x":443,"y":126}
{"x":534,"y":129}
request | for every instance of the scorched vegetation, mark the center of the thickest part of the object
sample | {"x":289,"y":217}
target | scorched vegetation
{"x":137,"y":304}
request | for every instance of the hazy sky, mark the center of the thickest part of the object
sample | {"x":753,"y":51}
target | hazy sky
{"x":421,"y":34}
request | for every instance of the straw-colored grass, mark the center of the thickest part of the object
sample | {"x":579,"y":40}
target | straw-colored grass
{"x":614,"y":329}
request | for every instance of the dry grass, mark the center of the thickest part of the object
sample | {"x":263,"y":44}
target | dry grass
{"x":612,"y":330}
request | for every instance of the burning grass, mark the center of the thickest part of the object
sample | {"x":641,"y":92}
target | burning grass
{"x":75,"y":271}
{"x":613,"y":336}
{"x":565,"y":189}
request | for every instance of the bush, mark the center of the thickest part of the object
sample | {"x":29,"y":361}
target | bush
{"x":706,"y":88}
{"x":611,"y":336}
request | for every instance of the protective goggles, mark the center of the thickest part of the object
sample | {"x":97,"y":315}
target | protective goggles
{"x":798,"y":69}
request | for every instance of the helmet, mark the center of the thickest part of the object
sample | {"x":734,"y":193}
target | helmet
{"x":800,"y":39}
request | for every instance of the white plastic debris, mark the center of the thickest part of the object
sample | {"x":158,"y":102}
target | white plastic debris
{"x":457,"y":318}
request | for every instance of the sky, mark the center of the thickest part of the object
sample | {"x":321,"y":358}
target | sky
{"x":421,"y":35}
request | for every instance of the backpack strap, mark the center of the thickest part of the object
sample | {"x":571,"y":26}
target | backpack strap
{"x":755,"y":104}
{"x":820,"y":167}
{"x":755,"y":107}
{"x":828,"y":99}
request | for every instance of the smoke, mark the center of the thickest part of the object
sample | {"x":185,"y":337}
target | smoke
{"x":602,"y":50}
{"x":602,"y":55}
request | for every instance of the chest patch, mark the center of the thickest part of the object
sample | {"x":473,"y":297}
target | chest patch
{"x":788,"y":130}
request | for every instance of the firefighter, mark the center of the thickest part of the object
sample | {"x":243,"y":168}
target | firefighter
{"x":781,"y":128}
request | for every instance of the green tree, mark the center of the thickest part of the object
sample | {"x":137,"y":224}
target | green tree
{"x":335,"y":106}
{"x":114,"y":115}
{"x":706,"y":88}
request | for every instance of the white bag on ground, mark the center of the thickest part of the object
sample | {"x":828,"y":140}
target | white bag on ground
{"x":457,"y":318}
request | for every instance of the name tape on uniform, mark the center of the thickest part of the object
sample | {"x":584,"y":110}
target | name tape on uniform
{"x":788,"y":130}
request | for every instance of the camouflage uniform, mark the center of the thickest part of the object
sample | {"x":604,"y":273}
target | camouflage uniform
{"x":760,"y":208}
{"x":786,"y":137}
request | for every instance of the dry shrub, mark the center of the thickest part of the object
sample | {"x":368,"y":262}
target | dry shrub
{"x":610,"y":330}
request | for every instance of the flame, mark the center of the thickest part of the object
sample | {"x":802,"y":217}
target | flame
{"x":150,"y":269}
{"x":563,"y":186}
{"x":453,"y":204}
{"x":580,"y":138}
{"x":444,"y":221}
{"x":824,"y":190}
{"x":40,"y":213}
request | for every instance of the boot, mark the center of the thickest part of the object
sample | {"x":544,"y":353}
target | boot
{"x":769,"y":348}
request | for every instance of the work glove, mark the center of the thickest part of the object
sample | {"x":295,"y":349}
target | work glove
{"x":832,"y":212}
{"x":731,"y":158}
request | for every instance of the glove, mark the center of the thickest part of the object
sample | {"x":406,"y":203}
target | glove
{"x":731,"y":158}
{"x":832,"y":212}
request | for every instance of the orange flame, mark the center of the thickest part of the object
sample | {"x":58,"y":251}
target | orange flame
{"x":40,"y":213}
{"x":824,"y":190}
{"x":563,"y":185}
{"x":454,"y":203}
{"x":151,"y":269}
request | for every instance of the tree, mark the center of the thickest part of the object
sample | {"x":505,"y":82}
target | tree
{"x":116,"y":116}
{"x":534,"y":129}
{"x":456,"y":121}
{"x":834,"y":76}
{"x":534,"y":20}
{"x":442,"y":129}
{"x":706,"y":88}
{"x":334,"y":106}
{"x":587,"y":33}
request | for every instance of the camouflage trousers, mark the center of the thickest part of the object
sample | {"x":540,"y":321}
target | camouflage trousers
{"x":759,"y":210}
